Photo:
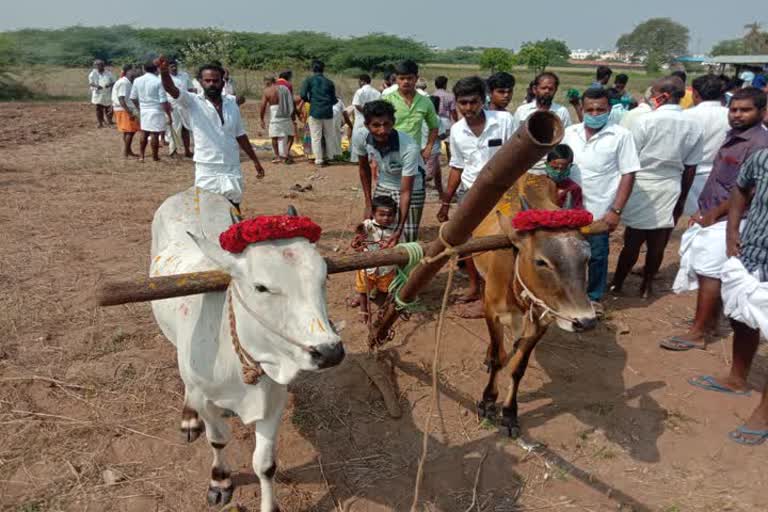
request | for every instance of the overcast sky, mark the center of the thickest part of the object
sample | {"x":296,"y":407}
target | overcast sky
{"x":584,"y":24}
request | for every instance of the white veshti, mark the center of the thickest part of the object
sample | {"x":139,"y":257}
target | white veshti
{"x":278,"y":302}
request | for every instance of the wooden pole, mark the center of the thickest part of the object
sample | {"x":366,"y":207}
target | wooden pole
{"x":541,"y":132}
{"x":179,"y":285}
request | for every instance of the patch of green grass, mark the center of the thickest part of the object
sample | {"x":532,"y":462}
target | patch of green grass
{"x":488,"y":424}
{"x":673,"y":508}
{"x":29,"y":507}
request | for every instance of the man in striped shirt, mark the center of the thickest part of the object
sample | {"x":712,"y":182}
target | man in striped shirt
{"x":745,"y":291}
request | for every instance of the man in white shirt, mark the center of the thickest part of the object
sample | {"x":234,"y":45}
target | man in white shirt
{"x":712,"y":116}
{"x":604,"y":165}
{"x":544,"y":88}
{"x":475,"y":138}
{"x":670,"y":146}
{"x":126,"y":113}
{"x":179,"y":131}
{"x":154,"y":110}
{"x":101,"y":81}
{"x":363,"y":95}
{"x":630,"y":118}
{"x":218,"y":130}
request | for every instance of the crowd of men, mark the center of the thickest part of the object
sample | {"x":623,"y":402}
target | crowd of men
{"x":699,"y":151}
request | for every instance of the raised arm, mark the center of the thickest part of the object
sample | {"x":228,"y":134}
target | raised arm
{"x":165,"y":75}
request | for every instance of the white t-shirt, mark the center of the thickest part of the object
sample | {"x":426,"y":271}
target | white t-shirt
{"x":525,"y":110}
{"x":148,"y":89}
{"x":470,"y":152}
{"x":600,"y":162}
{"x":362,"y":96}
{"x":121,"y":88}
{"x":374,"y":234}
{"x":713,"y":119}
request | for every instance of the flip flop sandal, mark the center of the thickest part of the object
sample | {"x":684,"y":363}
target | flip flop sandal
{"x":737,"y":436}
{"x":678,"y":344}
{"x":710,"y":384}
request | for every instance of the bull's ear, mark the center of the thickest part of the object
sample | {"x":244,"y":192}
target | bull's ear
{"x":225,"y":260}
{"x":598,"y":227}
{"x":506,"y":226}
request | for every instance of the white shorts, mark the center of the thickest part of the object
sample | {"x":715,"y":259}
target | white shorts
{"x":153,"y":121}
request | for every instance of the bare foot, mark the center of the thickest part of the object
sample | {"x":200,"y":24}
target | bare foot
{"x":189,"y":154}
{"x":364,"y":317}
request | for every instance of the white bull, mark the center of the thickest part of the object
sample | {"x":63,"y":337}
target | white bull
{"x":278,"y":314}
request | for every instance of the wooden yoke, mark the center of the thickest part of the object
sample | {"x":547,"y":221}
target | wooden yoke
{"x":540,"y":133}
{"x":179,"y":285}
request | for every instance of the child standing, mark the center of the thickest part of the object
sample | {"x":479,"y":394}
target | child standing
{"x":558,"y":167}
{"x":371,"y":282}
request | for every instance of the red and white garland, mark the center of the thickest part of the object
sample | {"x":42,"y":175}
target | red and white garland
{"x":528,"y":220}
{"x":268,"y":227}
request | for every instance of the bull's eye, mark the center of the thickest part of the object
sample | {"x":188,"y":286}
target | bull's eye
{"x":541,"y":263}
{"x":261,"y":288}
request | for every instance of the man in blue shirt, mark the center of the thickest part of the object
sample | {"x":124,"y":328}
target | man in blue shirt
{"x":320,"y":93}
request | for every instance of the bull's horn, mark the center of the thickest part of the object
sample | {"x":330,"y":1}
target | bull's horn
{"x":568,"y":203}
{"x":524,"y":203}
{"x":292,"y":211}
{"x":598,"y":227}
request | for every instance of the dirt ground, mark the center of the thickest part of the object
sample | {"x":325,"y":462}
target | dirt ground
{"x":84,"y":391}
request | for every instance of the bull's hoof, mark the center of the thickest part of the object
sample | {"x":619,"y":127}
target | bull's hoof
{"x":487,"y":409}
{"x":220,"y":495}
{"x":191,"y":429}
{"x":510,"y":426}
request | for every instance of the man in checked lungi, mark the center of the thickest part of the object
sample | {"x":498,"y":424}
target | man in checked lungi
{"x":390,"y":163}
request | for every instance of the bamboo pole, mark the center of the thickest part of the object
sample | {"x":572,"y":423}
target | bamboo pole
{"x":541,"y":132}
{"x":179,"y":285}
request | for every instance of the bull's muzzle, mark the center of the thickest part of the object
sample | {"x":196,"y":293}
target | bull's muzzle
{"x":327,"y":355}
{"x":584,"y":324}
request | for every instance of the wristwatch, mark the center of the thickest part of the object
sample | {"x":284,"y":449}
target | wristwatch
{"x":617,"y":211}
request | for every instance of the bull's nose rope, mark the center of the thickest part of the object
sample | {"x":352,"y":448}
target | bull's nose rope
{"x":251,"y":369}
{"x":528,"y":295}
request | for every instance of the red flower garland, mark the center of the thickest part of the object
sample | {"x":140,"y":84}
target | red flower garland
{"x":529,"y":220}
{"x":274,"y":227}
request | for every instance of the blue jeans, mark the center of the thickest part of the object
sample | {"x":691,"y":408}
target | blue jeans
{"x":598,"y":266}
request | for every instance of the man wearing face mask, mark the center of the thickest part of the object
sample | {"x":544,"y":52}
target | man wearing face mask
{"x":217,"y":129}
{"x":605,"y":163}
{"x":670,"y":146}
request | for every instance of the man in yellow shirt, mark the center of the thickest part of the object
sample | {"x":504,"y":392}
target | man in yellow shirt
{"x":687,"y":101}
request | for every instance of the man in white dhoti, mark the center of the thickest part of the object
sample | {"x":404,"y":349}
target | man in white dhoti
{"x":670,"y":147}
{"x":218,"y":131}
{"x":713,"y":118}
{"x":154,"y":110}
{"x":745,"y":292}
{"x":101,"y":81}
{"x":179,"y":131}
{"x":282,"y":116}
{"x":702,"y":250}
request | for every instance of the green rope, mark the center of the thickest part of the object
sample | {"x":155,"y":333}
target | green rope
{"x":415,"y":255}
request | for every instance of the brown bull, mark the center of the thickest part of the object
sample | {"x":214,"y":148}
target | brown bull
{"x":543,"y":279}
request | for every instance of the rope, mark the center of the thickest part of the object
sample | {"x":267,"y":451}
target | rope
{"x":415,"y":255}
{"x":448,"y":252}
{"x":251,"y":369}
{"x":527,"y":294}
{"x":435,"y":371}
